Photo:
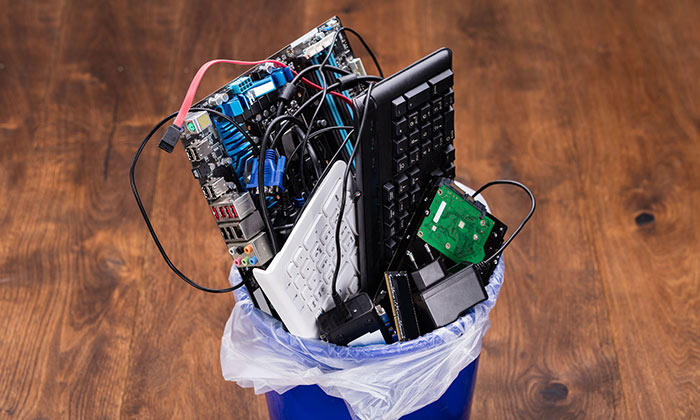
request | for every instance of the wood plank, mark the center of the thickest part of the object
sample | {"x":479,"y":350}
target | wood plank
{"x":66,"y":295}
{"x":640,"y":110}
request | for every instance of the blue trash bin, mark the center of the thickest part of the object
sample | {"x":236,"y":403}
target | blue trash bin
{"x":253,"y":342}
{"x":310,"y":402}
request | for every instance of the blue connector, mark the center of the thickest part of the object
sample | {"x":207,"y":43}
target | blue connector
{"x":241,"y":84}
{"x":232,"y":108}
{"x":278,"y":77}
{"x":273,"y":171}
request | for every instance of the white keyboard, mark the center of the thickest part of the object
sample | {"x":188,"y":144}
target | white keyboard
{"x":298,"y":280}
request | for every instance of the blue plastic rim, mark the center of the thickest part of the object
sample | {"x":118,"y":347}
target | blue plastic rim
{"x":308,"y":402}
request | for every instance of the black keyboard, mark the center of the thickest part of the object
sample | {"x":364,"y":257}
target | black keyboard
{"x":407,"y":142}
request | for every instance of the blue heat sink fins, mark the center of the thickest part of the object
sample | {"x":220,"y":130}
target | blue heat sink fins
{"x":236,"y":147}
{"x":235,"y":144}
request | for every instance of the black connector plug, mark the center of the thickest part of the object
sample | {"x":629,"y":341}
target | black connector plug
{"x":170,"y":138}
{"x":347,"y":81}
{"x":342,"y":325}
{"x":287,"y":93}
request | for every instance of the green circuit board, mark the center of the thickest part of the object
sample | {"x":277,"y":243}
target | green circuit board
{"x":456,"y":227}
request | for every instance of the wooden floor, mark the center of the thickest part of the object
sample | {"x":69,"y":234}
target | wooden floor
{"x":595,"y":105}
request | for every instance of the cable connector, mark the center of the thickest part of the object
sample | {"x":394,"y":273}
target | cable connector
{"x":347,"y":81}
{"x":170,"y":138}
{"x":287,"y":93}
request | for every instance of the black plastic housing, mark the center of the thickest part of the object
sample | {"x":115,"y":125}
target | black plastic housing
{"x":363,"y":319}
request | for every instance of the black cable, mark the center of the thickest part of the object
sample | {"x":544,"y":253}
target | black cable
{"x":298,"y":77}
{"x":522,"y":224}
{"x":261,"y":175}
{"x":361,"y":79}
{"x":369,"y":50}
{"x":316,"y":134}
{"x":325,"y":87}
{"x":313,"y":67}
{"x":336,"y":296}
{"x":328,"y":167}
{"x":315,"y":160}
{"x":235,"y":123}
{"x":132,"y":171}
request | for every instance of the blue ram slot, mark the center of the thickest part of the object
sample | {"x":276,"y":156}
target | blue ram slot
{"x":330,"y":99}
{"x":334,"y":107}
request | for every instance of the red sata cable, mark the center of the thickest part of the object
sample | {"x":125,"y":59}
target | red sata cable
{"x":194,"y":85}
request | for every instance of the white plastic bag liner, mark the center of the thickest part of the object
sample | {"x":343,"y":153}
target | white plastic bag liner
{"x":376,"y":382}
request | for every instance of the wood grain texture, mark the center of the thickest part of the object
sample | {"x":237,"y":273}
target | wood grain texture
{"x":593,"y":104}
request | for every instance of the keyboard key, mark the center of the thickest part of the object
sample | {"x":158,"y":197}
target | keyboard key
{"x":346,"y":271}
{"x":292,"y":270}
{"x":437,"y":140}
{"x":417,"y":95}
{"x":413,"y":120}
{"x":426,"y":131}
{"x":450,"y":171}
{"x":403,"y":203}
{"x":404,"y":218}
{"x":353,"y":259}
{"x":425,"y":113}
{"x":328,"y":274}
{"x":413,"y":138}
{"x":390,"y":228}
{"x":321,"y":264}
{"x":449,"y":98}
{"x":311,"y":305}
{"x":344,"y":232}
{"x":400,"y":164}
{"x":307,"y":270}
{"x":437,"y":106}
{"x":449,"y":152}
{"x":398,"y":107}
{"x":354,"y":286}
{"x":402,"y":182}
{"x":450,"y":124}
{"x":299,"y":257}
{"x":310,"y":239}
{"x":389,"y":212}
{"x":326,"y":237}
{"x":400,"y":127}
{"x":413,"y":156}
{"x":330,"y":207}
{"x":438,"y":124}
{"x":291,"y":288}
{"x":389,"y":190}
{"x":351,"y":222}
{"x":322,"y":292}
{"x":415,"y":194}
{"x":400,"y":145}
{"x":347,"y":244}
{"x":413,"y":175}
{"x":441,"y":82}
{"x":426,"y":148}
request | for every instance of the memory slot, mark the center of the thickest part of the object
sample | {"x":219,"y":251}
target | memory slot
{"x":332,"y":104}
